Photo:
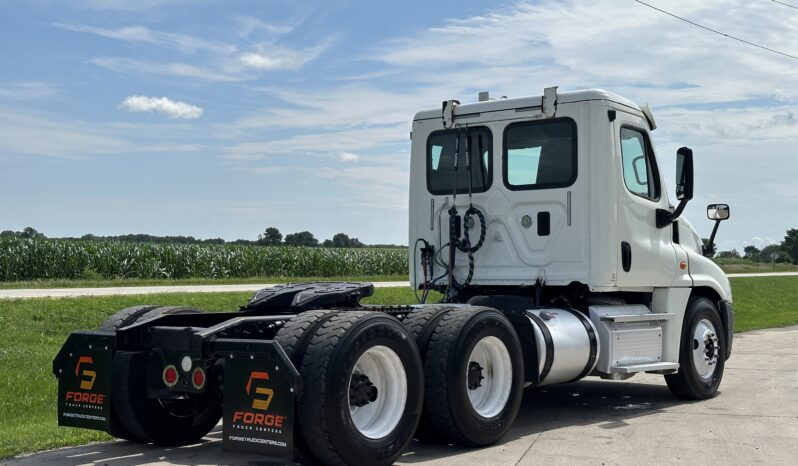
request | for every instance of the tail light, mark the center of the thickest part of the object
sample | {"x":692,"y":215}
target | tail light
{"x":198,"y":378}
{"x":170,"y":376}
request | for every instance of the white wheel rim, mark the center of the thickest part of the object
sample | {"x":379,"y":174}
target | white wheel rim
{"x":705,"y":349}
{"x":385,"y":371}
{"x":490,"y":397}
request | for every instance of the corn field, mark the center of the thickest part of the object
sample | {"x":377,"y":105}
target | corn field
{"x":37,"y":259}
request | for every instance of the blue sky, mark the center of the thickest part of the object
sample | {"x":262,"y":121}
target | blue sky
{"x":217,"y":119}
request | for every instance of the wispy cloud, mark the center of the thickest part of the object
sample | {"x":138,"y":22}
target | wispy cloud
{"x":26,"y":90}
{"x":165,"y":105}
{"x":141,"y":34}
{"x":178,"y":69}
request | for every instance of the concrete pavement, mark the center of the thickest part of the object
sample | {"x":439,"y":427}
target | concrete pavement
{"x":754,"y":419}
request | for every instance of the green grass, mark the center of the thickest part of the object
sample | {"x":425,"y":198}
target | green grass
{"x":32,"y":331}
{"x":756,"y":267}
{"x":124,"y":282}
{"x":765,"y":302}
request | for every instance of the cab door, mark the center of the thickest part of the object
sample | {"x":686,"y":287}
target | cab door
{"x":646,"y":254}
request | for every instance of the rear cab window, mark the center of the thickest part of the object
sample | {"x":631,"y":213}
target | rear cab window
{"x":442,"y":151}
{"x":540,"y":154}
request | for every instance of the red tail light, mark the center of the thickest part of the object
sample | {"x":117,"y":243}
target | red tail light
{"x":170,"y":376}
{"x":198,"y":378}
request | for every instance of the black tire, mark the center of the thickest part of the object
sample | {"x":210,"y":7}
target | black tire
{"x":294,"y":338}
{"x":446,"y":401}
{"x":327,"y":369}
{"x":162,"y":422}
{"x":421,"y":323}
{"x":114,"y":322}
{"x":688,"y":383}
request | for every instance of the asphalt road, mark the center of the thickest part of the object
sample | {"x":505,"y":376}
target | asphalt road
{"x":135,"y":290}
{"x":754,"y":419}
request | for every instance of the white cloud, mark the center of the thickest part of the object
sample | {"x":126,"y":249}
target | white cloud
{"x":270,"y":57}
{"x":142,"y":34}
{"x":165,"y":105}
{"x":348,"y":157}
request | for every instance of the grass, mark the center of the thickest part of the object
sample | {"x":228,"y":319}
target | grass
{"x":765,"y":302}
{"x":125,"y":282}
{"x":757,"y":267}
{"x":32,"y":331}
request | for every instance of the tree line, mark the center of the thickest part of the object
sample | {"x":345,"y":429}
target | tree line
{"x":784,"y":252}
{"x":270,"y":237}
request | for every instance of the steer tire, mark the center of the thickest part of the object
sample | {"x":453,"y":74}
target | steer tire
{"x":294,"y":337}
{"x":346,"y":341}
{"x":421,"y":323}
{"x":688,"y":384}
{"x":162,"y":422}
{"x":447,"y":366}
{"x":113,"y":323}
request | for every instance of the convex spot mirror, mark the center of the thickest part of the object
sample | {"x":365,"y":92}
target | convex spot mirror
{"x":718,"y":211}
{"x":684,"y":174}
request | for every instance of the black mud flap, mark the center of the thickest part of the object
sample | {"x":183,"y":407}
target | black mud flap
{"x":260,"y":386}
{"x":83,"y":367}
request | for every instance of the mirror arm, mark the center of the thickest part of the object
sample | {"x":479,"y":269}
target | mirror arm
{"x":711,"y":240}
{"x":665,"y":218}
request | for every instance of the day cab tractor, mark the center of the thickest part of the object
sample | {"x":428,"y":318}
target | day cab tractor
{"x":543,"y":222}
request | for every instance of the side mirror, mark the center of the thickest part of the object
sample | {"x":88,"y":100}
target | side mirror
{"x":684,"y":174}
{"x":718,"y":211}
{"x":684,"y":187}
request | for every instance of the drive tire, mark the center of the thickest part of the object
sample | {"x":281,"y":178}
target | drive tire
{"x":421,"y":323}
{"x":701,"y":316}
{"x":113,"y":323}
{"x":294,"y":337}
{"x":347,"y":344}
{"x":447,"y":403}
{"x":149,"y":420}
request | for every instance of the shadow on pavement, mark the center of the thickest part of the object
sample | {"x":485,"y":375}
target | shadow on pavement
{"x":606,"y":404}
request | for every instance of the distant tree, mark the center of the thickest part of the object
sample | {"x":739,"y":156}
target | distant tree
{"x":303,"y":238}
{"x":790,"y":244}
{"x":88,"y":237}
{"x":733,"y":254}
{"x":342,"y":240}
{"x":328,"y":243}
{"x":751,"y":252}
{"x":270,"y":237}
{"x":30,"y":232}
{"x":213,"y":241}
{"x":711,"y":252}
{"x":8,"y":234}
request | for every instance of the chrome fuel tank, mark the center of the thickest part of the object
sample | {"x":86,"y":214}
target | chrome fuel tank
{"x":567,"y":344}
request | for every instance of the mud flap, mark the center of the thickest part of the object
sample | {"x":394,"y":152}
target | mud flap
{"x":260,"y":386}
{"x":83,"y":367}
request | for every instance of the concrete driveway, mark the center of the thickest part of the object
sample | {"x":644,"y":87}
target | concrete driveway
{"x":753,"y":420}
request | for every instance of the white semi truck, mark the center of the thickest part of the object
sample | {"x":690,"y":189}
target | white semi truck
{"x":544,"y":223}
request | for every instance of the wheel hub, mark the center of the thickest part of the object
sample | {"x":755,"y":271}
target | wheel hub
{"x":474,"y":375}
{"x":361,"y":390}
{"x":706,"y":349}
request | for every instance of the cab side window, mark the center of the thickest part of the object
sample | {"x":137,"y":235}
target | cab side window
{"x":639,"y":167}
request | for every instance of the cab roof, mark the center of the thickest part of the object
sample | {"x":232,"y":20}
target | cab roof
{"x":528,"y":102}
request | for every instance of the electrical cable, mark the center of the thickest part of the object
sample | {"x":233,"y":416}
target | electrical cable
{"x":785,"y":4}
{"x":719,"y":32}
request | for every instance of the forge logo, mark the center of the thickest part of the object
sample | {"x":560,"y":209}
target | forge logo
{"x":89,"y":376}
{"x":261,"y":397}
{"x":86,"y":378}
